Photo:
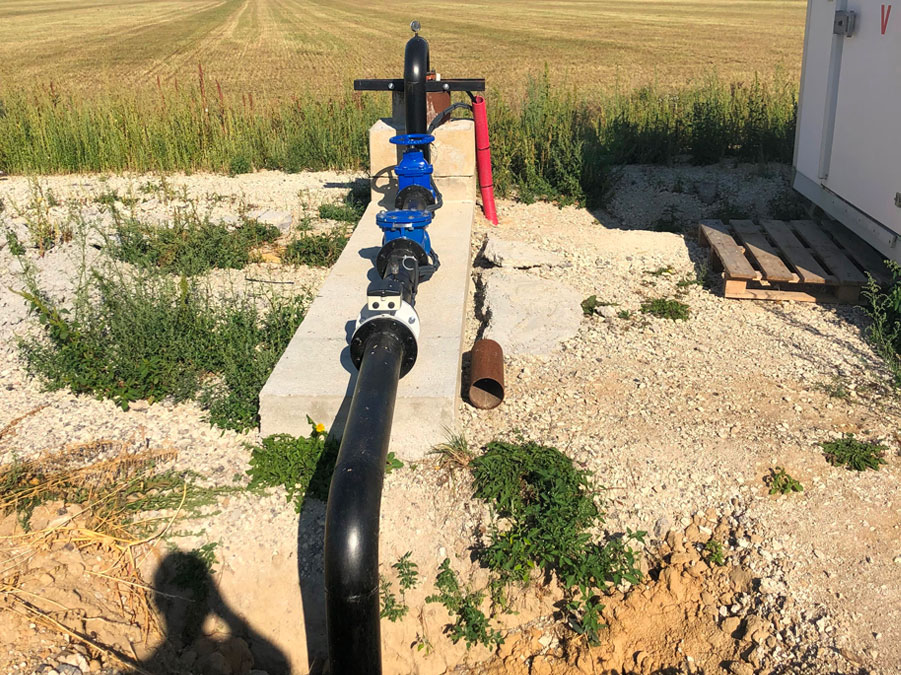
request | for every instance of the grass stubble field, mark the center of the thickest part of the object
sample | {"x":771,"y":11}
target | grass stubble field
{"x":280,"y":48}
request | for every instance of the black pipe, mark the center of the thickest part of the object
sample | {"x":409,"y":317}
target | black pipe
{"x":416,"y":65}
{"x":352,"y":517}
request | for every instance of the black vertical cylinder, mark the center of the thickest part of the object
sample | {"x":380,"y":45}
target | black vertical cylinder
{"x":416,"y":65}
{"x":351,"y":558}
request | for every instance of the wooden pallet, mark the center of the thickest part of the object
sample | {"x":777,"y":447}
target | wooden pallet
{"x":795,"y":260}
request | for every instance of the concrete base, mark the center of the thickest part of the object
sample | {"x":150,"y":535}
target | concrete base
{"x":315,"y":375}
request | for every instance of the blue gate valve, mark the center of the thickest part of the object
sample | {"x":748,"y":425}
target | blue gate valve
{"x":413,"y":168}
{"x":406,"y":225}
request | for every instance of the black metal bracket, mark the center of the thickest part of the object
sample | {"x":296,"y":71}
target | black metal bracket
{"x":397,"y":84}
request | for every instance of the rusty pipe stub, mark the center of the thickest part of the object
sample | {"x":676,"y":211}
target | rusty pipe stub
{"x":486,"y":382}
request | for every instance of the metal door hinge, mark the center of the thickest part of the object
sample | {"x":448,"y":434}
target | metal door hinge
{"x":845,"y":23}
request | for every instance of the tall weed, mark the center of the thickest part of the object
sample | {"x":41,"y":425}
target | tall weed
{"x":548,"y":143}
{"x":884,"y":308}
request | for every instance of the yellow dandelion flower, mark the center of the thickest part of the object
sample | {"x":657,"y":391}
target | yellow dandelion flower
{"x":320,"y":428}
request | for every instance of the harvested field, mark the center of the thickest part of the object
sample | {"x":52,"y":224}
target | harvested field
{"x":285,"y":48}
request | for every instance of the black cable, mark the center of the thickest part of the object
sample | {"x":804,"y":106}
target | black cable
{"x":439,"y":118}
{"x":439,"y":200}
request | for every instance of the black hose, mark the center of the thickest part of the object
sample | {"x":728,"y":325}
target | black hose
{"x":351,"y":559}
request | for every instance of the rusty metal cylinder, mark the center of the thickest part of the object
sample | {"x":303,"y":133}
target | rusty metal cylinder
{"x":486,"y":381}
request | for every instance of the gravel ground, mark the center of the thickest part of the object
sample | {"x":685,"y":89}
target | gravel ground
{"x":680,"y":420}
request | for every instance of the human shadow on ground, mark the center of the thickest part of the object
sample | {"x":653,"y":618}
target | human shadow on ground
{"x":185,"y":596}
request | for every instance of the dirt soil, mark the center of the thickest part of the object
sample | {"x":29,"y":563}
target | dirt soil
{"x":680,"y":420}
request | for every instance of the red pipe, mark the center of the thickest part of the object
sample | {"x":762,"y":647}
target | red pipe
{"x":483,"y":158}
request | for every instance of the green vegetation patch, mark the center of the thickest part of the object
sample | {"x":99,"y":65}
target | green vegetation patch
{"x":318,"y":249}
{"x":546,"y":511}
{"x":303,"y":466}
{"x":666,"y":308}
{"x":463,"y":604}
{"x":591,"y":303}
{"x":714,"y":554}
{"x":781,"y":483}
{"x":407,"y":577}
{"x":351,"y":209}
{"x":854,"y":454}
{"x":190,"y":244}
{"x":133,"y":335}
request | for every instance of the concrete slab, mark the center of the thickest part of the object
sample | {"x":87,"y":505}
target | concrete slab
{"x":315,"y":375}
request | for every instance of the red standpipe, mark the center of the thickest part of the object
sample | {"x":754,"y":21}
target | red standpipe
{"x":483,"y":158}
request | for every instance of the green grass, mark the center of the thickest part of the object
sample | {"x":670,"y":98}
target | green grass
{"x":132,"y":334}
{"x":546,"y":512}
{"x":548,"y":143}
{"x":454,"y":452}
{"x":303,"y":466}
{"x":854,"y":454}
{"x":666,"y":308}
{"x":190,"y":244}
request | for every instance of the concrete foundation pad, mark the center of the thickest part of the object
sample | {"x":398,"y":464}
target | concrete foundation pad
{"x":315,"y":375}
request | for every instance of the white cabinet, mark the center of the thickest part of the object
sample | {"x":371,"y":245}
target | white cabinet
{"x":848,"y":143}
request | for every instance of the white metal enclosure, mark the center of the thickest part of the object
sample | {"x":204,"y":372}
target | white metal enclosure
{"x":848,"y":142}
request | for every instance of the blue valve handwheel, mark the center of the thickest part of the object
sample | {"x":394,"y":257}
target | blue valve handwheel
{"x":412,"y":139}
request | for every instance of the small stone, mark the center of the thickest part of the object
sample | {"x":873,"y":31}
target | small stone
{"x":506,"y":253}
{"x":661,"y":527}
{"x":280,"y":219}
{"x":528,"y":314}
{"x":606,"y":311}
{"x":730,"y":624}
{"x":692,"y":533}
{"x":770,"y":586}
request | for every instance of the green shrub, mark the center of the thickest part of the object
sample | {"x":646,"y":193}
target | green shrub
{"x":853,"y":454}
{"x":137,"y":335}
{"x":320,"y":249}
{"x":190,"y":244}
{"x":666,"y":309}
{"x":547,"y":512}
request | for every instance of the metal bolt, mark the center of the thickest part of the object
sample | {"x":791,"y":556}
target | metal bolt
{"x":391,"y":85}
